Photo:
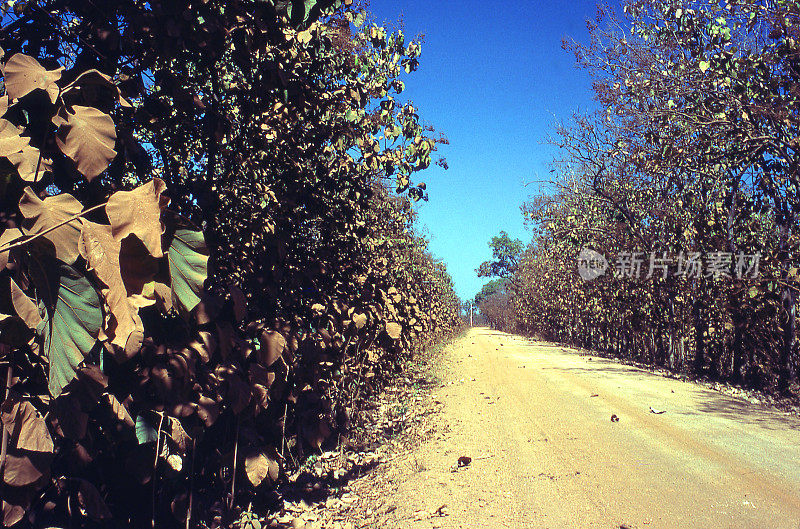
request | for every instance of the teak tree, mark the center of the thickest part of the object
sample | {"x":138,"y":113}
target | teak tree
{"x":204,"y":271}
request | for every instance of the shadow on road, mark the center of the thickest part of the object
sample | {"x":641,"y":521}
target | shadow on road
{"x":748,"y":413}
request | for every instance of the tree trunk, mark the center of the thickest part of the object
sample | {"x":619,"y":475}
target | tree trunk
{"x":699,"y":342}
{"x":785,"y":367}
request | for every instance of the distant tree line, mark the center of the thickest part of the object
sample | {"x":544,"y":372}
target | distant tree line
{"x":685,"y":183}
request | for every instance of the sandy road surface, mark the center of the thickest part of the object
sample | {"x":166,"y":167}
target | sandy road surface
{"x":536,"y":420}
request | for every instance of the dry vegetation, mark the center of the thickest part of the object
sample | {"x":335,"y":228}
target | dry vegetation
{"x":209,"y":261}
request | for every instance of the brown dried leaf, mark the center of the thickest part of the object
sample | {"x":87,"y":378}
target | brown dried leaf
{"x":87,"y":136}
{"x":24,"y":306}
{"x":208,"y":410}
{"x":259,"y":466}
{"x":26,"y":468}
{"x":12,"y":514}
{"x":163,"y":293}
{"x":360,"y":320}
{"x":52,"y":211}
{"x":394,"y":330}
{"x":30,"y":164}
{"x":259,"y":374}
{"x":209,"y":342}
{"x":138,"y":212}
{"x":17,"y":148}
{"x":23,"y":74}
{"x":24,"y":424}
{"x":178,"y":434}
{"x":11,"y":139}
{"x":119,"y":411}
{"x":137,"y":266}
{"x":67,"y":418}
{"x":273,"y":344}
{"x":6,"y":239}
{"x":155,"y":291}
{"x":261,"y":396}
{"x":18,"y":316}
{"x":86,"y":85}
{"x":102,"y":254}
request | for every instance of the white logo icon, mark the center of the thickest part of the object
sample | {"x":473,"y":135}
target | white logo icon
{"x":591,"y":264}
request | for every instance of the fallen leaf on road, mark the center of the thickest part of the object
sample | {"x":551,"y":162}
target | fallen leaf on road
{"x":657,"y":412}
{"x":614,"y":418}
{"x":421,"y":515}
{"x":595,"y":395}
{"x":464,"y":461}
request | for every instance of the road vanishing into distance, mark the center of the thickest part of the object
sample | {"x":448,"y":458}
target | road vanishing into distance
{"x":536,"y":420}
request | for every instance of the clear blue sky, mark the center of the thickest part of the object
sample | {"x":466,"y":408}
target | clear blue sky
{"x":494,"y":79}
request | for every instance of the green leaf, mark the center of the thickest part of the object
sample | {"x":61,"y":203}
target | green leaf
{"x":72,"y":324}
{"x":704,"y":66}
{"x":359,"y":19}
{"x":188,"y":267}
{"x":144,"y":432}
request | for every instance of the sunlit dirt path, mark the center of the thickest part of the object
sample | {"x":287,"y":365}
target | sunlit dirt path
{"x":536,"y":420}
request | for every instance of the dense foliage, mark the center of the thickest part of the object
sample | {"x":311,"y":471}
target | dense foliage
{"x":686,"y":183}
{"x":208,"y":254}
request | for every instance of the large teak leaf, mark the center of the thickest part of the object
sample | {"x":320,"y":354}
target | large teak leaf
{"x":72,"y":325}
{"x":30,"y":163}
{"x":7,"y":238}
{"x":87,"y":136}
{"x":188,"y":267}
{"x":18,"y":315}
{"x":138,"y":212}
{"x":28,"y":160}
{"x":26,"y":427}
{"x":45,"y":214}
{"x":24,"y":306}
{"x":91,"y":85}
{"x":24,"y":74}
{"x":102,"y":254}
{"x":11,"y":139}
{"x":30,"y":447}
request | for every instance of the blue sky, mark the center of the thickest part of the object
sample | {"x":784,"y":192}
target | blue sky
{"x":494,"y":79}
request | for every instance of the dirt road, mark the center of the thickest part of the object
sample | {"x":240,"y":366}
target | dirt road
{"x":536,"y":420}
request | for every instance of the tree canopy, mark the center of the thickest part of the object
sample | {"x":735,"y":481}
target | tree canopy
{"x":208,"y":251}
{"x":505,"y":253}
{"x":691,"y":159}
